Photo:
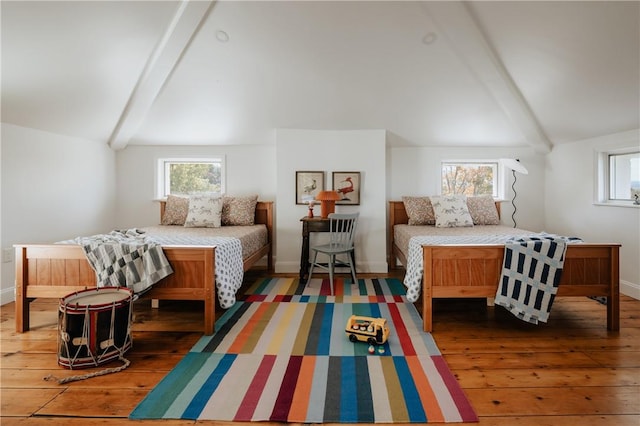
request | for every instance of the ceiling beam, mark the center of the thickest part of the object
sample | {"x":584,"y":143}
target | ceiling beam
{"x":456,"y":23}
{"x":186,"y":22}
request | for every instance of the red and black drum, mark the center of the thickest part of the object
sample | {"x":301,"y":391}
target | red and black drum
{"x":94,"y":326}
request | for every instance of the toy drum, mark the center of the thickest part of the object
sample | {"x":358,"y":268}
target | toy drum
{"x":94,"y":326}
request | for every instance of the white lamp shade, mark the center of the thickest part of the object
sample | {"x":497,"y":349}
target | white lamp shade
{"x":515,"y":165}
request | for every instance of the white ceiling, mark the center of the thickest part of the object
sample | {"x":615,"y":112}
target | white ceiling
{"x":431,"y":73}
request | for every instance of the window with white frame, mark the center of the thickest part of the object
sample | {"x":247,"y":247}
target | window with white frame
{"x":624,"y":176}
{"x":469,"y":178}
{"x":186,"y":176}
{"x":619,"y":177}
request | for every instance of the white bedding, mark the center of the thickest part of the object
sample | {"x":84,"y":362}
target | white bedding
{"x":230,"y":250}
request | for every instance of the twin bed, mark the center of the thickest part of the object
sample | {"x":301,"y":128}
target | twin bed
{"x":468,"y":270}
{"x":455,"y":270}
{"x":56,"y":270}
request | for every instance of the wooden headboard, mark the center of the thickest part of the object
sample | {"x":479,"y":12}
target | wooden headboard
{"x":398,"y":216}
{"x":264,"y":215}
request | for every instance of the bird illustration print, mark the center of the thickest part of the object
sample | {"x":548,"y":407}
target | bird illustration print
{"x":346,"y":186}
{"x":310,"y":188}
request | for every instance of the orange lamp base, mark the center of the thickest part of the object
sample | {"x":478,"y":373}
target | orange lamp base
{"x":327,"y":207}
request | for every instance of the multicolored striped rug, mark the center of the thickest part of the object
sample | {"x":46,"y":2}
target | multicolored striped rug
{"x":281,"y":354}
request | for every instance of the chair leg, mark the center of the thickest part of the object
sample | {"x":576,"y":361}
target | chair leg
{"x":332,"y":261}
{"x":353,"y":269}
{"x":315,"y":255}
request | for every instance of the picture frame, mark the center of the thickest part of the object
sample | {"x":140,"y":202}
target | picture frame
{"x":308,"y":185}
{"x":348,"y":185}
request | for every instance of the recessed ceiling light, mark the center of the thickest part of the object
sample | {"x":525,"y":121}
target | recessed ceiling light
{"x":430,"y":38}
{"x":222,"y":36}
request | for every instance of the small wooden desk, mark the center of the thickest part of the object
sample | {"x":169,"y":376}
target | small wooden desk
{"x":309,"y":225}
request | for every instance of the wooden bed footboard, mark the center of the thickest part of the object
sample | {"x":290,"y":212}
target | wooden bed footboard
{"x":56,"y":270}
{"x":457,"y":271}
{"x":475,"y":271}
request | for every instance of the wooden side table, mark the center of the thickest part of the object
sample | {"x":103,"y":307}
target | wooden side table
{"x":309,"y":225}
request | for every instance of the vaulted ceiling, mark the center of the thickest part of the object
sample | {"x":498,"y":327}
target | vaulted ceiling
{"x":231,"y":72}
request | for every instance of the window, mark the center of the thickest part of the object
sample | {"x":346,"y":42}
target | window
{"x":624,"y":176}
{"x":469,"y":178}
{"x":618,"y":176}
{"x":180,"y":176}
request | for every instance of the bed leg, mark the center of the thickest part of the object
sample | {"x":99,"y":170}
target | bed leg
{"x":22,"y":303}
{"x":209,"y":293}
{"x":155,"y":303}
{"x":427,"y":312}
{"x":613,"y":301}
{"x":209,"y":317}
{"x":613,"y":313}
{"x":427,"y":291}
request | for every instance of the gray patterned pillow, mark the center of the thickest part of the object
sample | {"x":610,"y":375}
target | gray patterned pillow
{"x":205,"y":211}
{"x":175,"y":210}
{"x":239,"y":210}
{"x":451,"y":211}
{"x":419,"y":210}
{"x":483,"y":210}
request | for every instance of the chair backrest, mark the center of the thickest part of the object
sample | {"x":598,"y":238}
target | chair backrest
{"x":343,"y":228}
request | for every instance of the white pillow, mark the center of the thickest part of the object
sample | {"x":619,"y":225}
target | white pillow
{"x":451,"y":211}
{"x":205,"y":211}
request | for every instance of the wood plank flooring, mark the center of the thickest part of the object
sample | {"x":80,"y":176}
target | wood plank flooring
{"x":571,"y":371}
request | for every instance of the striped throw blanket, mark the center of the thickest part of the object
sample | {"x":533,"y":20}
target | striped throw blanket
{"x":125,"y":259}
{"x":531,"y":272}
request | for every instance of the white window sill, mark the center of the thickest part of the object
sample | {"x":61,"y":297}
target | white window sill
{"x":617,"y":204}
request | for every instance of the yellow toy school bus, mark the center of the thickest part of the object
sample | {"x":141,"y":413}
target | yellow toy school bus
{"x":374,"y":331}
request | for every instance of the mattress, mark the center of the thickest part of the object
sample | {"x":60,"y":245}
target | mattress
{"x":478,"y":234}
{"x":252,"y":237}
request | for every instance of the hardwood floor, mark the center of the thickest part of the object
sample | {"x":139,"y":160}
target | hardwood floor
{"x":571,"y":371}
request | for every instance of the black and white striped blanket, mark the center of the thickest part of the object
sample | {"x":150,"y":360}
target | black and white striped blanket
{"x":125,"y":259}
{"x":531,"y":272}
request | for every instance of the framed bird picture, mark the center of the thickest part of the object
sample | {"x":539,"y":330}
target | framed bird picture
{"x":347,"y":184}
{"x":308,"y":184}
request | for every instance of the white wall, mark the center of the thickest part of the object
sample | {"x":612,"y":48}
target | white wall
{"x":54,"y":187}
{"x":332,"y":151}
{"x":249,"y":170}
{"x":570,"y":189}
{"x":416,"y":171}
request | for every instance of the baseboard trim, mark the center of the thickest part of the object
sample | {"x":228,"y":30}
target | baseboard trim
{"x":7,"y":295}
{"x":362,"y":267}
{"x":630,"y":289}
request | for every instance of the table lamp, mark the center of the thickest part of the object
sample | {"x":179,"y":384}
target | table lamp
{"x":327,"y":202}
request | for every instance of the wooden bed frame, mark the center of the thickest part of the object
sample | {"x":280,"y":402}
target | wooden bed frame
{"x":56,"y":270}
{"x":471,"y":271}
